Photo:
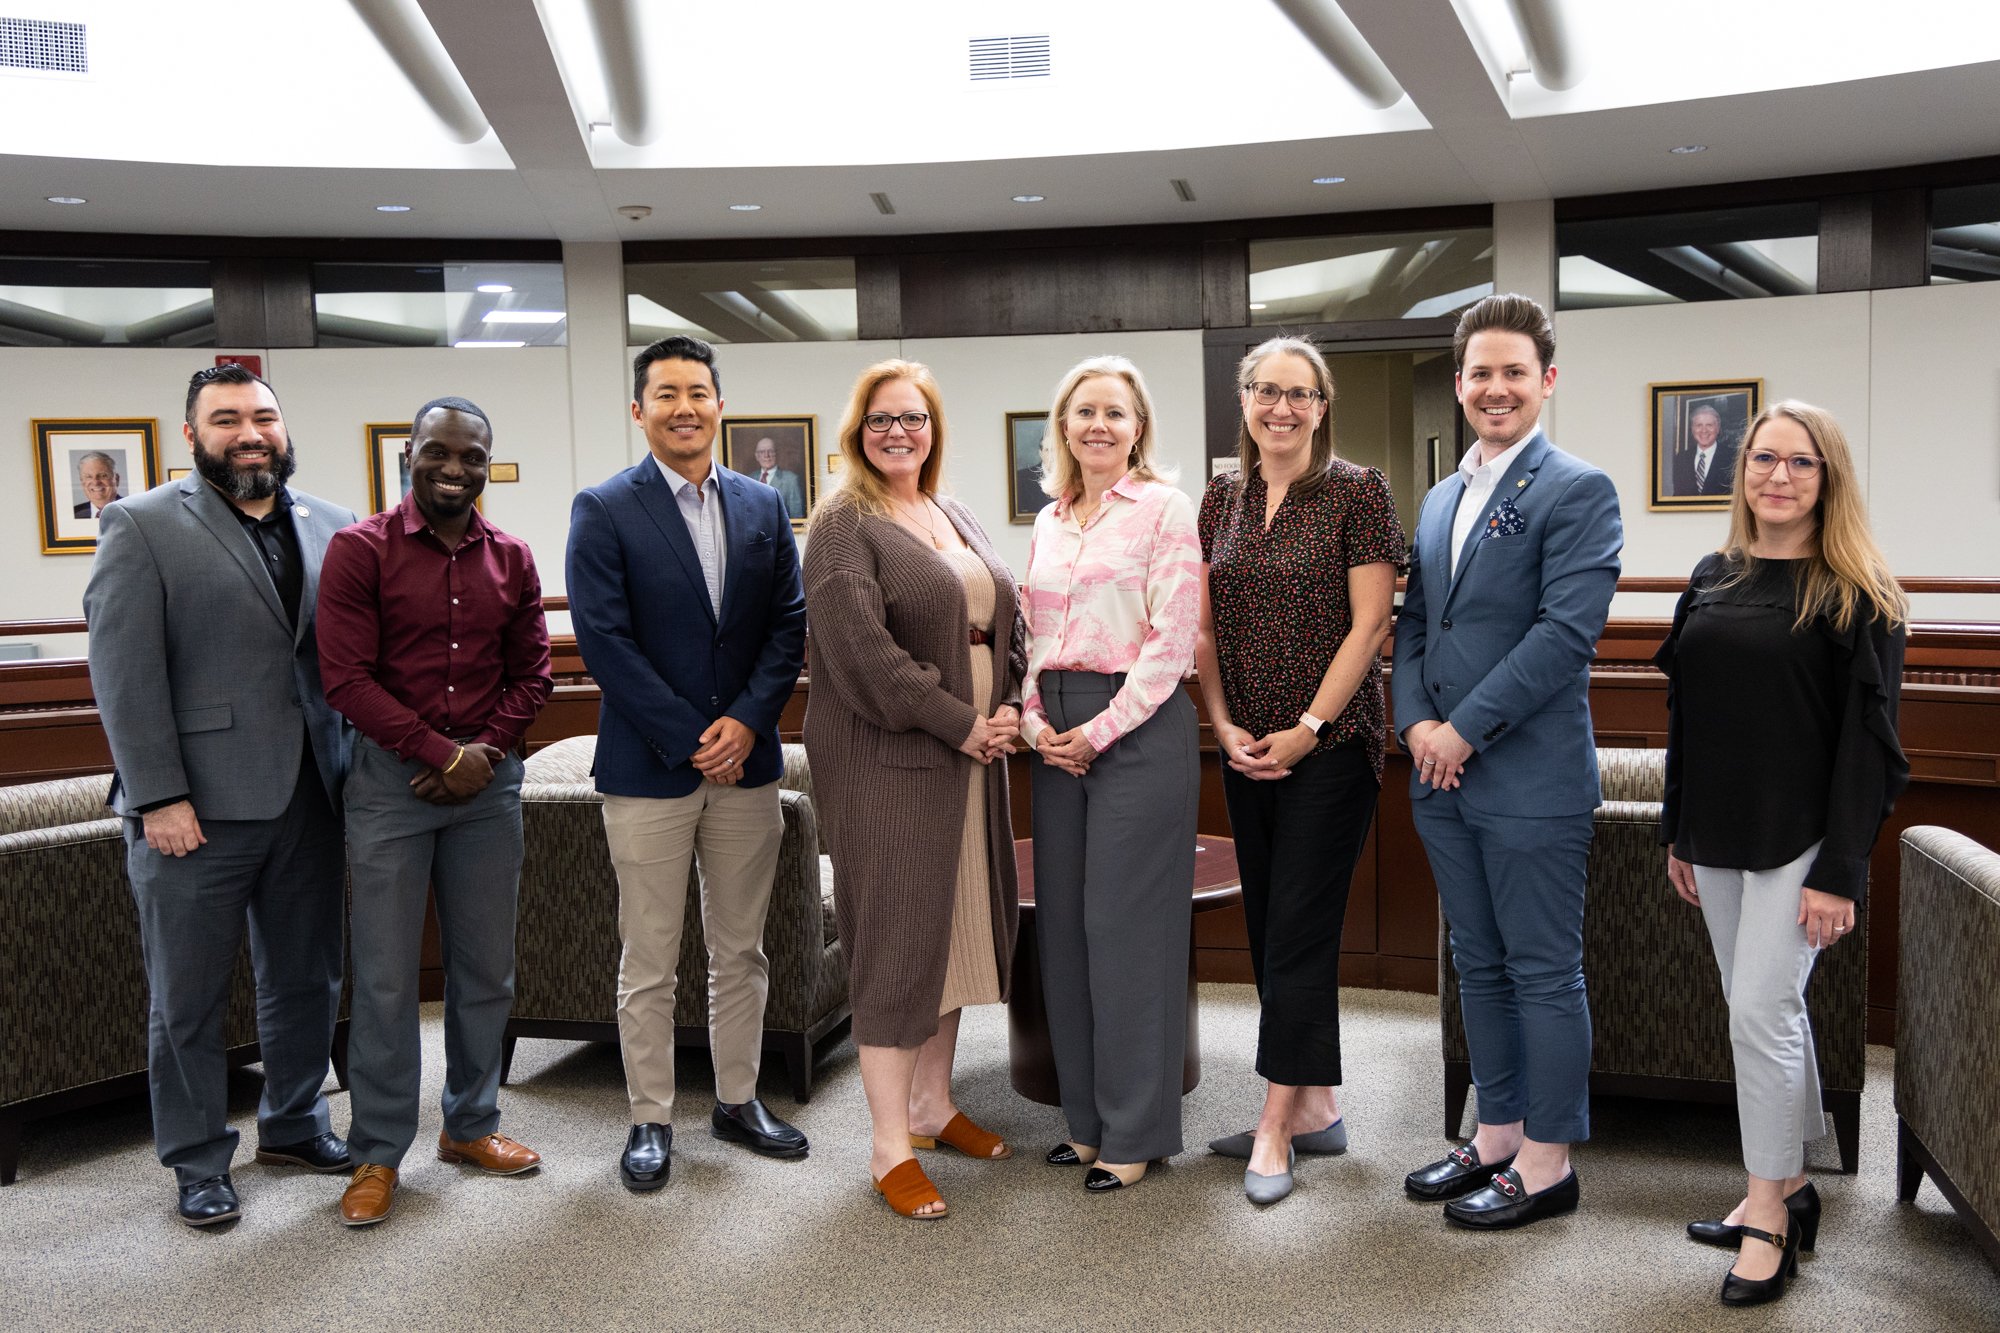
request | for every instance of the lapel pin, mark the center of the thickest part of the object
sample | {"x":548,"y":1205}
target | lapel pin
{"x":1519,"y":484}
{"x":302,"y":511}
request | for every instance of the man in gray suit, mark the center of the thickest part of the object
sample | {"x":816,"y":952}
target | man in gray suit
{"x":229,"y":772}
{"x":1511,"y":576}
{"x":783,"y":480}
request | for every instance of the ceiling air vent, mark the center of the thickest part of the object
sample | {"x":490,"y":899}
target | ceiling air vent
{"x":1010,"y":57}
{"x":43,"y":46}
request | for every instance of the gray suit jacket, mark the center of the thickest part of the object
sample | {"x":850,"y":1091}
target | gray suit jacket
{"x":1502,"y":651}
{"x":203,"y":686}
{"x":786,"y":484}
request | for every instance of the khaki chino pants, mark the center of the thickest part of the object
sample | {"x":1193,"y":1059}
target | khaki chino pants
{"x":734,"y":833}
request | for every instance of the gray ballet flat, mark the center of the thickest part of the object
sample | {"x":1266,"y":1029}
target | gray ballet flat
{"x":1262,"y":1190}
{"x":1328,"y":1142}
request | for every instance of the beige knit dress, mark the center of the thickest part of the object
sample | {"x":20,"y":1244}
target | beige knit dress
{"x":970,"y":975}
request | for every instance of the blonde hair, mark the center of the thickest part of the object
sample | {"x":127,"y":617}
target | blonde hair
{"x":1062,"y":476}
{"x":860,"y":484}
{"x":1845,"y":572}
{"x":1320,"y":465}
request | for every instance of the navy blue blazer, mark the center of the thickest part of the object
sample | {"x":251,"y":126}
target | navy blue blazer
{"x":1503,"y":650}
{"x":667,"y":661}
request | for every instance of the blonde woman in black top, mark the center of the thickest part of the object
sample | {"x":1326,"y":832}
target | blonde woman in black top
{"x":1782,"y":763}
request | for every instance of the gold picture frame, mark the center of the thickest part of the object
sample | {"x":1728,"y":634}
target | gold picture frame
{"x":1684,"y":412}
{"x":72,"y":455}
{"x":1024,"y":465}
{"x":795,"y":458}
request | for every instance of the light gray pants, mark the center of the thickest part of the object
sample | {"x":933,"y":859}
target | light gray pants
{"x":400,"y":848}
{"x":1114,"y":878}
{"x":1753,"y":921}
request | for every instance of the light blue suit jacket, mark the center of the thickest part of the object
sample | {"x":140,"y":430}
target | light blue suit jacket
{"x":1502,"y":651}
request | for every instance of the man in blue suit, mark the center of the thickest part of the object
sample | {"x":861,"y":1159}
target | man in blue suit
{"x":685,"y":596}
{"x":1511,"y":577}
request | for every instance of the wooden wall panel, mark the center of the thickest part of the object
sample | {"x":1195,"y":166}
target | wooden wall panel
{"x":1057,"y":290}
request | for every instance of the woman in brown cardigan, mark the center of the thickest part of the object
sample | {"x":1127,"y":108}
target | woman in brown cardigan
{"x":917,"y":659}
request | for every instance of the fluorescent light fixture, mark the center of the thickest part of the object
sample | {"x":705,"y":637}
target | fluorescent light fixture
{"x":1690,"y":148}
{"x":1329,"y":180}
{"x":487,"y":342}
{"x":494,"y":288}
{"x":392,"y":208}
{"x":1029,"y":198}
{"x":1259,"y":305}
{"x":522,"y":317}
{"x":67,"y":199}
{"x":745,"y":208}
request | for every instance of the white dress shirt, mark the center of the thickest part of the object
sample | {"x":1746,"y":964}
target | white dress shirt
{"x":701,"y":510}
{"x":1481,"y":481}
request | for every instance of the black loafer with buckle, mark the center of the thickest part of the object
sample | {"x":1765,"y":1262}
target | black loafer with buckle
{"x":1505,"y":1203}
{"x":1459,"y":1172}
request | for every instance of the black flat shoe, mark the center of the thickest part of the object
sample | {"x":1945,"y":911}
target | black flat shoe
{"x":648,"y":1158}
{"x":321,"y":1152}
{"x":1458,"y":1172}
{"x":1101,"y":1181}
{"x":1802,"y":1203}
{"x":1504,"y":1204}
{"x":752,"y":1125}
{"x":207,"y":1202}
{"x":1064,"y":1154}
{"x":1762,"y":1291}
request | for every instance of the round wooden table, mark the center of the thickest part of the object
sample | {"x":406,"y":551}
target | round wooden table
{"x":1031,"y":1061}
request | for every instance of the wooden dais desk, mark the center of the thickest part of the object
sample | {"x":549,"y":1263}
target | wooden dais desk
{"x":1031,"y":1060}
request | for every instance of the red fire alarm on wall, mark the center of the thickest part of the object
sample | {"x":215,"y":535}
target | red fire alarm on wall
{"x":253,"y":364}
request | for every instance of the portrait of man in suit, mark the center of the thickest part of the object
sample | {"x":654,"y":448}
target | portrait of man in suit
{"x":1697,"y":430}
{"x":98,"y":479}
{"x":1511,"y":575}
{"x":775,"y":452}
{"x":1708,"y":464}
{"x":229,"y":774}
{"x":688,"y":609}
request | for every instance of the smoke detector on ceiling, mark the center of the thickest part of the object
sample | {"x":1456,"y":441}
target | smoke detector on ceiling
{"x":633,"y":212}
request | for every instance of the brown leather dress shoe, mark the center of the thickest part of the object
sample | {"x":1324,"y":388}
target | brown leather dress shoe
{"x":368,"y":1195}
{"x":496,"y":1154}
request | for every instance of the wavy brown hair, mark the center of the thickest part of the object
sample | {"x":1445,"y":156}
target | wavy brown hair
{"x":859,"y":482}
{"x":1846,"y":573}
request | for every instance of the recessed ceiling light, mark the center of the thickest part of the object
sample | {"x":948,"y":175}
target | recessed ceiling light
{"x":67,"y":199}
{"x":392,"y":208}
{"x":1029,"y":198}
{"x":1690,"y":148}
{"x":745,"y":208}
{"x":1329,"y":180}
{"x":522,"y":317}
{"x":494,"y":288}
{"x":1257,"y":305}
{"x":486,"y":342}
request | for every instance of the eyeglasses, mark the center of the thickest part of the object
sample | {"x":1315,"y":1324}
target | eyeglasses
{"x":879,"y":422}
{"x":1268,"y":394}
{"x":1803,"y":467}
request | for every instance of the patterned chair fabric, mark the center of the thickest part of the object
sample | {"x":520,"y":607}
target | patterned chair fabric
{"x":567,"y":946}
{"x":1948,"y":1025}
{"x":73,"y":998}
{"x":1659,"y":1025}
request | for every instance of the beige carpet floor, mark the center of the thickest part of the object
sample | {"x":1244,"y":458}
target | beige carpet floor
{"x":87,"y":1240}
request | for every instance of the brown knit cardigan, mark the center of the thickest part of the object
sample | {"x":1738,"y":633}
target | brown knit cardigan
{"x":890,"y":702}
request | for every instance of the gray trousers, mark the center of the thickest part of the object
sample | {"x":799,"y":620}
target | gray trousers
{"x":284,"y":876}
{"x":1114,"y":875}
{"x":1753,"y":922}
{"x":400,"y":847}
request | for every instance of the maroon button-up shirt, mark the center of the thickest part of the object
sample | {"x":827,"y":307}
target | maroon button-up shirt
{"x":422,"y":647}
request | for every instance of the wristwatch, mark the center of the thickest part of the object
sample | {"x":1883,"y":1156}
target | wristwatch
{"x":1310,"y":723}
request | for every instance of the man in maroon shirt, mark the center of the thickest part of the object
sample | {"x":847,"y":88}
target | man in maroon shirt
{"x":432,"y":643}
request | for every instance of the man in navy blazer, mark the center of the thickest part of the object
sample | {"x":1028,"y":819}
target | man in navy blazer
{"x":685,"y":597}
{"x":1511,"y":577}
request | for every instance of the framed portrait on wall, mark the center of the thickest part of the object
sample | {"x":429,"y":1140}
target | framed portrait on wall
{"x":1697,"y":427}
{"x":778,"y":451}
{"x":1024,"y":465}
{"x":82,"y":466}
{"x":388,"y":464}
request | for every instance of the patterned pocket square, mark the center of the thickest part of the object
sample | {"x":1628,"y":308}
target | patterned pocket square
{"x":1504,"y":521}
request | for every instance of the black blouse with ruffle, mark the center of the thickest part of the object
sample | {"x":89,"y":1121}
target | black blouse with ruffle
{"x":1777,"y":739}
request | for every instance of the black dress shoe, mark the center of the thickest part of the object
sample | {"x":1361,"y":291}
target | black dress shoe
{"x":1763,"y":1290}
{"x":1802,"y":1203}
{"x":321,"y":1152}
{"x":1063,"y":1154}
{"x":207,"y":1202}
{"x":1458,"y":1172}
{"x":648,"y":1157}
{"x":1505,"y":1204}
{"x":752,"y":1125}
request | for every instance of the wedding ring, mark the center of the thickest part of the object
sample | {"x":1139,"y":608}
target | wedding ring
{"x":1429,"y":762}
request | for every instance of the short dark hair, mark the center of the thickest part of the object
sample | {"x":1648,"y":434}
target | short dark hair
{"x":465,"y":405}
{"x":1506,"y":313}
{"x":680,"y":347}
{"x":229,"y":374}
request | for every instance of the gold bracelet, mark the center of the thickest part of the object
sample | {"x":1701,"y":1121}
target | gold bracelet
{"x":454,"y":760}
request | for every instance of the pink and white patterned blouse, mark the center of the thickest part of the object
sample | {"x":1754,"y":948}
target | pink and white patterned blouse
{"x":1121,"y":593}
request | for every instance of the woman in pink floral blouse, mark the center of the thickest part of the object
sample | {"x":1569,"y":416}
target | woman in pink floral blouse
{"x":1301,"y":550}
{"x":1113,"y":607}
